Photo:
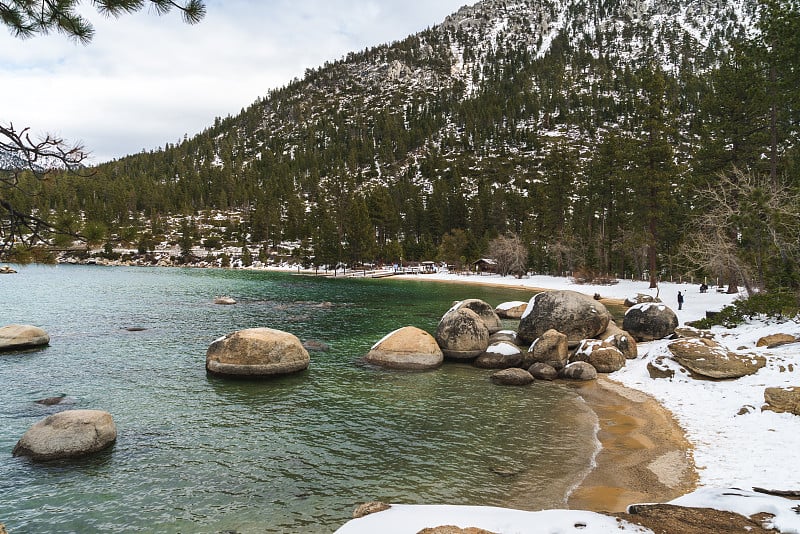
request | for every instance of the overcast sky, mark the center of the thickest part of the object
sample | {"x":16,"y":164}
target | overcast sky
{"x":146,"y":80}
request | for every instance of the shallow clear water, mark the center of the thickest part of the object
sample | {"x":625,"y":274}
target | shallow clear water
{"x":295,"y":454}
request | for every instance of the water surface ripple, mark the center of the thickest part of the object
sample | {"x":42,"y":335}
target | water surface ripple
{"x":200,"y":454}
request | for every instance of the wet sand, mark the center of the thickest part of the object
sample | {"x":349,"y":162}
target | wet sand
{"x":645,"y":457}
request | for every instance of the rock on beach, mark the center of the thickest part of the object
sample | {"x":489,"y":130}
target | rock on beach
{"x":574,"y":314}
{"x":69,"y":434}
{"x":21,"y":337}
{"x":709,"y":359}
{"x":257,"y":352}
{"x":650,"y":321}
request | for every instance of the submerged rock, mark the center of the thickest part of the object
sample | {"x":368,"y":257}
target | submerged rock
{"x":225,"y":301}
{"x":512,"y":377}
{"x":406,"y":348}
{"x":69,"y":434}
{"x":21,"y":337}
{"x":257,"y":352}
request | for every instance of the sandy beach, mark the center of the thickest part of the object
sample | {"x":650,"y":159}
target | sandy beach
{"x":645,"y":456}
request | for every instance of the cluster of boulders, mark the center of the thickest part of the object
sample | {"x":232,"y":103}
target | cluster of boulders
{"x":561,"y":334}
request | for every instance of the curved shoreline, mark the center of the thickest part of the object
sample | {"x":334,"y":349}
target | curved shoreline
{"x":645,"y":456}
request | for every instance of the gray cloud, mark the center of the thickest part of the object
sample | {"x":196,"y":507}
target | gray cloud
{"x":145,"y":80}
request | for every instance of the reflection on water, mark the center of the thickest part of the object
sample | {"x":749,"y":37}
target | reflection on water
{"x":200,"y":454}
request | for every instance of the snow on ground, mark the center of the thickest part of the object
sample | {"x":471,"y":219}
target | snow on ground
{"x":731,"y":450}
{"x":404,"y":519}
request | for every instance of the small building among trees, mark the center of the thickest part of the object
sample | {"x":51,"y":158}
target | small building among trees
{"x":486,"y":265}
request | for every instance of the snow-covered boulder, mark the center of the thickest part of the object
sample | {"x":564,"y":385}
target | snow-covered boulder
{"x":550,"y":348}
{"x":462,"y":334}
{"x":708,"y":358}
{"x":501,"y":355}
{"x":621,"y":339}
{"x":484,"y":311}
{"x":406,"y":348}
{"x":604,"y":357}
{"x":640,"y":298}
{"x":574,"y":314}
{"x":648,"y":322}
{"x":509,"y":336}
{"x":511,"y":310}
{"x":257,"y":352}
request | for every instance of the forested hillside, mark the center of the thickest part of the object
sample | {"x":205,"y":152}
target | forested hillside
{"x":596,"y":131}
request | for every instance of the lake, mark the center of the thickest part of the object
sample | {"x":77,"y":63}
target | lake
{"x":195,"y":453}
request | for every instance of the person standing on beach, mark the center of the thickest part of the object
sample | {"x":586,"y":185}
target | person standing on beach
{"x":680,"y":300}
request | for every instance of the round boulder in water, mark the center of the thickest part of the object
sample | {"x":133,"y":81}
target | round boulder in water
{"x":21,"y":337}
{"x":500,"y":355}
{"x":579,"y":371}
{"x":512,"y":377}
{"x":406,"y":348}
{"x":69,"y":434}
{"x":256,"y":352}
{"x":484,"y":311}
{"x":462,"y":334}
{"x":649,"y":321}
{"x":574,"y":314}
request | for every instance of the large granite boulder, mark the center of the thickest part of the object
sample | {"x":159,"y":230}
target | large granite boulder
{"x":783,"y":400}
{"x":484,"y":311}
{"x":462,"y":334}
{"x":550,"y":348}
{"x":406,"y":348}
{"x":69,"y":434}
{"x":574,"y":314}
{"x":21,"y":337}
{"x":648,"y":322}
{"x":604,"y":357}
{"x":501,"y":355}
{"x":578,"y":371}
{"x":256,"y":352}
{"x":707,"y":358}
{"x":512,"y":377}
{"x":511,"y":310}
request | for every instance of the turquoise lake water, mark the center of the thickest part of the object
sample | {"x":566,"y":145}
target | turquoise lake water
{"x":295,"y":454}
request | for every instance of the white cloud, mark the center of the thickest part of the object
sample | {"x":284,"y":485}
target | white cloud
{"x":147,"y":80}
